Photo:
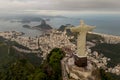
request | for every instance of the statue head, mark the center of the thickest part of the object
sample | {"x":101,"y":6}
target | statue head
{"x":81,"y":22}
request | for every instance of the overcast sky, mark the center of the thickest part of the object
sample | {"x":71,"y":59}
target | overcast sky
{"x":57,"y":7}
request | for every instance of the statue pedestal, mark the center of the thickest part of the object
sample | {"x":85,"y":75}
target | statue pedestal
{"x":80,"y":61}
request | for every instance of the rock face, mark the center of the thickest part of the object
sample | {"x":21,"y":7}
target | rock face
{"x":43,"y":26}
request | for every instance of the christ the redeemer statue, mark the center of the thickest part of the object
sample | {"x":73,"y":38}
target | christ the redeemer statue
{"x":82,"y":31}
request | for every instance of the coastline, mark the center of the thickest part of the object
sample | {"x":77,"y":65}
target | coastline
{"x":111,"y":39}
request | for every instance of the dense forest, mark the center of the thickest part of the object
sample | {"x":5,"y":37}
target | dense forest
{"x":23,"y":69}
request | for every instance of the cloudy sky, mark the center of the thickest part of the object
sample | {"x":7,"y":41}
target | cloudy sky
{"x":57,"y":7}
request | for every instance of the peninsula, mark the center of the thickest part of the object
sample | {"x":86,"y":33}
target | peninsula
{"x":43,"y":26}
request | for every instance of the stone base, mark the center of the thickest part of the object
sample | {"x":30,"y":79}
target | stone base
{"x":80,"y":62}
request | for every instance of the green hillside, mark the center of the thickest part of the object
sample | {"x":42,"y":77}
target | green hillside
{"x":9,"y":55}
{"x":22,"y":69}
{"x":5,"y":57}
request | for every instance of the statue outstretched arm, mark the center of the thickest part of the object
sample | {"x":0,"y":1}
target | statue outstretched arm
{"x":75,"y":29}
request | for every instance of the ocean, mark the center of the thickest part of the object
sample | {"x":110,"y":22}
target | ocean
{"x":108,"y":24}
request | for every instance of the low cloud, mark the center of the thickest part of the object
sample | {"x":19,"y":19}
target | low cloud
{"x":59,"y":5}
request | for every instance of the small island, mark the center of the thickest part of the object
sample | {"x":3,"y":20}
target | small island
{"x":26,"y":26}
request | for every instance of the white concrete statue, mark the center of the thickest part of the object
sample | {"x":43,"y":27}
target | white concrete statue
{"x":81,"y":39}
